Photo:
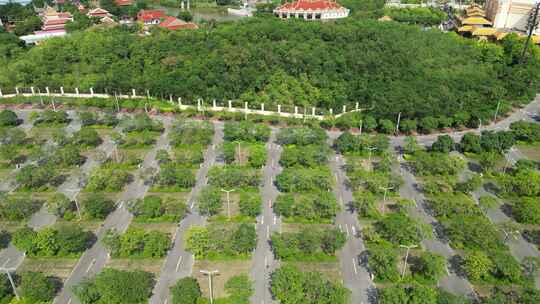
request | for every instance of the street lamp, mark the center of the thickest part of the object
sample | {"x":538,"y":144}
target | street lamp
{"x":8,"y":272}
{"x":228,"y":202}
{"x":384,"y":195}
{"x":210,"y":274}
{"x":409,"y":247}
{"x":75,"y":200}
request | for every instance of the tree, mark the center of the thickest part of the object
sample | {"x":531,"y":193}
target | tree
{"x":36,"y":287}
{"x":210,"y":201}
{"x":244,"y":239}
{"x":239,"y":288}
{"x":470,"y":142}
{"x":399,"y":228}
{"x":8,"y":118}
{"x":477,"y":265}
{"x":382,"y":262}
{"x":444,"y":144}
{"x":429,"y":265}
{"x":527,"y":210}
{"x":186,"y":16}
{"x":198,"y":240}
{"x":186,"y":291}
{"x":249,"y":204}
{"x":116,"y":287}
{"x":97,"y":206}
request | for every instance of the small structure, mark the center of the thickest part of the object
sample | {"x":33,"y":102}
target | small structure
{"x":312,"y":10}
{"x":174,"y":24}
{"x":124,"y":2}
{"x":385,"y":18}
{"x":39,"y":36}
{"x":151,"y":17}
{"x":510,"y":14}
{"x":98,"y":13}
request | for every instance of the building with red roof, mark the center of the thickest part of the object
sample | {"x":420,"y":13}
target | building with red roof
{"x":151,"y":17}
{"x":98,"y":13}
{"x":174,"y":24}
{"x":312,"y":10}
{"x":124,"y":2}
{"x":53,"y":20}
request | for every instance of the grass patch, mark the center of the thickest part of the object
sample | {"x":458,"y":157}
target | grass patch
{"x":227,"y":269}
{"x":148,"y":265}
{"x":58,"y":267}
{"x":330,"y":269}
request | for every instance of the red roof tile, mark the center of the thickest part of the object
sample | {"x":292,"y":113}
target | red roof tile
{"x":148,"y":15}
{"x":173,"y":23}
{"x":124,"y":2}
{"x":313,"y":5}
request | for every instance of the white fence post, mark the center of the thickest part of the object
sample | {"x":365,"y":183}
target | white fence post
{"x":199,"y":104}
{"x":48,"y":91}
{"x":279,"y":109}
{"x":91,"y":91}
{"x":170,"y":99}
{"x":17,"y":90}
{"x":295,"y":110}
{"x":357,"y":106}
{"x":62,"y":90}
{"x":133,"y":93}
{"x":230,"y":104}
{"x":32,"y":89}
{"x":331,"y":111}
{"x":214,"y":104}
{"x":77,"y":91}
{"x":245,"y":106}
{"x":344,"y":109}
{"x":1,"y":95}
{"x":179,"y":102}
{"x":262,"y":107}
{"x":313,"y":111}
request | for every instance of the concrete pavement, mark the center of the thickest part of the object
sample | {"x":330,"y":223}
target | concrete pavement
{"x":179,"y":262}
{"x":95,"y":258}
{"x":356,"y":276}
{"x":263,"y":259}
{"x":452,"y":282}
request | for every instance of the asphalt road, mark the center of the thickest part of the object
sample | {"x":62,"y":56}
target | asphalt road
{"x":95,"y":258}
{"x":263,"y":259}
{"x":179,"y":262}
{"x":453,"y":282}
{"x":356,"y":276}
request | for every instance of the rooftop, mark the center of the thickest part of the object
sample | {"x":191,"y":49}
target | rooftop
{"x":311,"y":5}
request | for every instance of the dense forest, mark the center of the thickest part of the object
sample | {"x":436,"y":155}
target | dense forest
{"x":386,"y":66}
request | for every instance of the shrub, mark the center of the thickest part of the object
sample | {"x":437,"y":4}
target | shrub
{"x":18,"y":208}
{"x":8,"y":118}
{"x":382,"y":262}
{"x":527,"y":210}
{"x":97,"y":206}
{"x":187,"y":132}
{"x":108,"y":180}
{"x":307,"y":244}
{"x":246,"y":131}
{"x":136,"y":242}
{"x":86,"y":137}
{"x":250,"y":204}
{"x":186,"y":291}
{"x":36,"y":287}
{"x":301,"y":180}
{"x":302,"y":136}
{"x":444,"y":144}
{"x":154,"y":208}
{"x":312,"y":207}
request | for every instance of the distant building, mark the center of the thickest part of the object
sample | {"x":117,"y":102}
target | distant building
{"x":151,"y":17}
{"x":39,"y":36}
{"x":124,"y":2}
{"x":510,"y":14}
{"x":53,"y":20}
{"x":98,"y":13}
{"x":173,"y":24}
{"x":311,"y":10}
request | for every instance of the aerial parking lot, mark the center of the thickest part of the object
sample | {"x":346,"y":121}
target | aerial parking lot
{"x":100,"y":206}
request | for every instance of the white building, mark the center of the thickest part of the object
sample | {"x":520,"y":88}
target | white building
{"x":312,"y":10}
{"x":510,"y":14}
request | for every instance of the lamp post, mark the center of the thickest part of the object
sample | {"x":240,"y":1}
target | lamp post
{"x":210,"y":274}
{"x":409,"y":247}
{"x":369,"y":155}
{"x":77,"y":191}
{"x":228,"y":202}
{"x":384,"y":195}
{"x":8,"y":272}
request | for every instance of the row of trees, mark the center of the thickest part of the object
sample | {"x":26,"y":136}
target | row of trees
{"x":18,"y":208}
{"x":231,"y":176}
{"x":136,"y":242}
{"x":308,"y":244}
{"x":187,"y":291}
{"x":153,"y":208}
{"x":246,"y":131}
{"x":58,"y":241}
{"x":316,"y":207}
{"x":221,"y":240}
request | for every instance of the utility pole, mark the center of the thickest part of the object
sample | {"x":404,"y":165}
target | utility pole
{"x":77,"y":191}
{"x":397,"y":124}
{"x":496,"y":112}
{"x":361,"y":123}
{"x":210,"y":274}
{"x":8,"y":272}
{"x":409,"y":247}
{"x":384,"y":196}
{"x":228,"y":202}
{"x":369,"y":155}
{"x":532,"y":24}
{"x":117,"y":105}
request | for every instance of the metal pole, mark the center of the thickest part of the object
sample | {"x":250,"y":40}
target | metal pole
{"x":397,"y":124}
{"x":369,"y":155}
{"x":228,"y":202}
{"x":210,"y":274}
{"x":117,"y":105}
{"x":384,"y":195}
{"x":8,"y":273}
{"x":496,"y":111}
{"x":409,"y":247}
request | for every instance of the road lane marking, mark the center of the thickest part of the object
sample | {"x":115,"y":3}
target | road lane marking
{"x":69,"y":302}
{"x":353,"y":230}
{"x":340,"y":228}
{"x":275,"y":219}
{"x":262,"y":220}
{"x":265,"y":261}
{"x":5,"y":263}
{"x":267,"y":232}
{"x":335,"y":175}
{"x":90,"y":266}
{"x":270,"y":203}
{"x":347,"y":229}
{"x":354,"y":266}
{"x":178,"y":264}
{"x":166,"y":301}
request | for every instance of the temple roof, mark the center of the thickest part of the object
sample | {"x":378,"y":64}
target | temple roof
{"x":311,"y":5}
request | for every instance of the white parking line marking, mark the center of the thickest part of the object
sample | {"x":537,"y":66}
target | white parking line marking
{"x":275,"y":219}
{"x":267,"y":232}
{"x":69,"y":302}
{"x":353,"y":230}
{"x":90,"y":266}
{"x":347,"y":229}
{"x":178,"y":264}
{"x":5,"y":263}
{"x":354,"y":266}
{"x":262,"y":220}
